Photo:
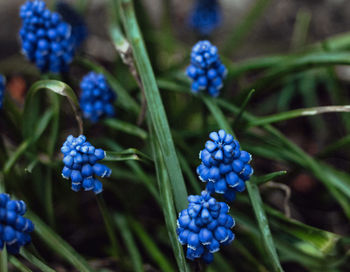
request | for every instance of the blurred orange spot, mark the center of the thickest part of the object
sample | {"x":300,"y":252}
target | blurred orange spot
{"x":17,"y":86}
{"x":303,"y":183}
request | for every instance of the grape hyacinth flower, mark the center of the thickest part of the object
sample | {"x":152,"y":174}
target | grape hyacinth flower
{"x":97,"y":97}
{"x":2,"y":89}
{"x":225,"y":167}
{"x":206,"y":70}
{"x":46,"y":39}
{"x":205,"y":16}
{"x":80,"y":164}
{"x":72,"y":17}
{"x":204,"y":226}
{"x":14,"y":228}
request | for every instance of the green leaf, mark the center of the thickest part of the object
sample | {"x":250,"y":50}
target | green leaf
{"x":125,"y":127}
{"x":38,"y":131}
{"x":257,"y":204}
{"x":262,"y":179}
{"x":243,"y":107}
{"x":297,"y":113}
{"x":150,"y":247}
{"x":128,"y":154}
{"x":244,"y":27}
{"x":167,"y":203}
{"x":155,"y":104}
{"x":20,"y":266}
{"x":57,"y":244}
{"x":35,"y":261}
{"x":3,"y":260}
{"x":58,"y":87}
{"x":129,"y":241}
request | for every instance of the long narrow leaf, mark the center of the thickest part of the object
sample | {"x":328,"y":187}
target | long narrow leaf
{"x":155,"y":104}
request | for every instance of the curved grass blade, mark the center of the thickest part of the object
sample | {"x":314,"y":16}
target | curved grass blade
{"x":58,"y":245}
{"x":125,"y":127}
{"x":35,"y":261}
{"x":243,"y":107}
{"x":262,"y":179}
{"x":155,"y":104}
{"x":129,"y":241}
{"x":261,"y":121}
{"x":150,"y":247}
{"x":20,"y":266}
{"x":128,"y":154}
{"x":57,"y":87}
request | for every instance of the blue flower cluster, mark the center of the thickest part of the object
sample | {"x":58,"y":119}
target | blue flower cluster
{"x":97,"y":97}
{"x":80,"y":160}
{"x":47,"y":40}
{"x":14,"y":228}
{"x":2,"y":89}
{"x":206,"y":70}
{"x":224,"y":166}
{"x":204,"y":226}
{"x":72,"y":17}
{"x":205,"y":16}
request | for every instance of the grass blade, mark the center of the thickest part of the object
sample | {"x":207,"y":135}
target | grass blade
{"x":150,"y":247}
{"x":262,"y":179}
{"x":297,"y":113}
{"x":20,"y":266}
{"x":155,"y":104}
{"x":35,"y":261}
{"x":128,"y":154}
{"x":167,"y":204}
{"x":58,"y":245}
{"x":129,"y":241}
{"x":55,"y":86}
{"x":125,"y":127}
{"x":257,"y":204}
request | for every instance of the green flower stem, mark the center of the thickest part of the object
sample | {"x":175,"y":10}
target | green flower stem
{"x":155,"y":104}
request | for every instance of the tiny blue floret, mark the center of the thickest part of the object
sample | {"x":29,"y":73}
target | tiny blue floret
{"x":2,"y":89}
{"x":206,"y":70}
{"x":72,"y":17}
{"x":14,"y":228}
{"x":205,"y":16}
{"x":225,"y":167}
{"x":46,"y":39}
{"x":204,"y":226}
{"x":81,"y":164}
{"x":97,"y":97}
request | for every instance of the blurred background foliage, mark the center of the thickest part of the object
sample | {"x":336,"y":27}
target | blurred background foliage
{"x":294,"y":54}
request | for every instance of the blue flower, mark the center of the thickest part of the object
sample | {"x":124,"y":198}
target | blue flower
{"x":204,"y":226}
{"x":205,"y":16}
{"x":225,"y":167}
{"x":46,"y":39}
{"x":72,"y":17}
{"x":206,"y":70}
{"x":14,"y":228}
{"x":97,"y":97}
{"x":2,"y":89}
{"x":81,"y":164}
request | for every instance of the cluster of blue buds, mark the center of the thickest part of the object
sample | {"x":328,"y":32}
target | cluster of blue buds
{"x":97,"y":97}
{"x":72,"y":17}
{"x":47,"y":40}
{"x":206,"y":70}
{"x":204,"y":226}
{"x":225,"y":167}
{"x":80,"y":164}
{"x":14,"y":228}
{"x":205,"y":16}
{"x":2,"y":89}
